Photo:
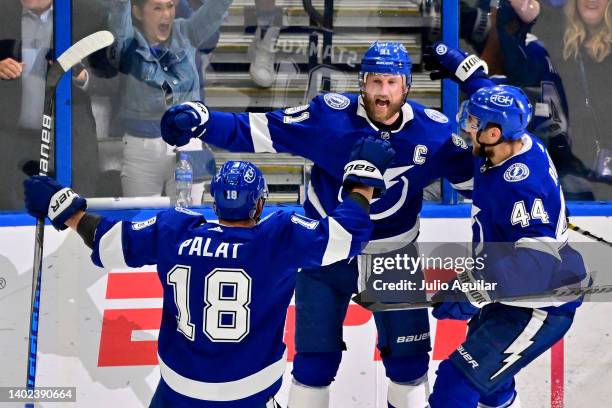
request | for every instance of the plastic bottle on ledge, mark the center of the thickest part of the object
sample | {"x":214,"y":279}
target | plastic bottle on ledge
{"x":183,"y":175}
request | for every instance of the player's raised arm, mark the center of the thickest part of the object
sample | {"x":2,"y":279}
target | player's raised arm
{"x":469,"y":71}
{"x":114,"y":243}
{"x":292,"y":130}
{"x":347,"y":229}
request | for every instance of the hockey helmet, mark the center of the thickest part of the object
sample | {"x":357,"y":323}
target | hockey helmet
{"x":236,"y":189}
{"x":389,"y":58}
{"x":503,"y":105}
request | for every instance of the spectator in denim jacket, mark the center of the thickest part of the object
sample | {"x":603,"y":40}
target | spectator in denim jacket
{"x":157,"y":53}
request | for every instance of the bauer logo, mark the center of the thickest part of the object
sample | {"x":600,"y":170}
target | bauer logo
{"x":436,"y":116}
{"x":336,"y":101}
{"x":413,"y":338}
{"x":469,"y":63}
{"x":516,"y":172}
{"x":503,"y":100}
{"x":441,"y":49}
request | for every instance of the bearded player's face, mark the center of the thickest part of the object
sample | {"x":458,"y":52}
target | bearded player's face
{"x":383,"y":96}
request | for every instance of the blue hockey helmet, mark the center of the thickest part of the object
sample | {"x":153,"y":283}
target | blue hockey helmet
{"x":503,"y":105}
{"x":236,"y":189}
{"x":389,"y":58}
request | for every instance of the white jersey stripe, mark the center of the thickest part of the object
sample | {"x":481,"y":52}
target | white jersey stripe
{"x":543,"y":244}
{"x":111,"y":248}
{"x":313,"y":198}
{"x":338,"y":244}
{"x":224,"y":391}
{"x":260,"y":134}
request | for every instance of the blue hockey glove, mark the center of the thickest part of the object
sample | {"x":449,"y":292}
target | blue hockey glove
{"x":45,"y":197}
{"x":183,"y":122}
{"x":367,"y":164}
{"x":455,"y":303}
{"x":453,"y":63}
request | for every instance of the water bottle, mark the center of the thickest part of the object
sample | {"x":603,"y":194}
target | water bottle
{"x":183,"y":175}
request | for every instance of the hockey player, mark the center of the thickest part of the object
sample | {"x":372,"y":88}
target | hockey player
{"x":517,"y":200}
{"x":226,"y":285}
{"x":322,"y":131}
{"x":518,"y":58}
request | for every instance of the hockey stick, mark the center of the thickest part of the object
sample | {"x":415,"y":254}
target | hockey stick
{"x":64,"y":63}
{"x":557,"y":293}
{"x":588,"y":234}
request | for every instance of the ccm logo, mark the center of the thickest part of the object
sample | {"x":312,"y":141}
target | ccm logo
{"x":62,"y":199}
{"x":360,"y":167}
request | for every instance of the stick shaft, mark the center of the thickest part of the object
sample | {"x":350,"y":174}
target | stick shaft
{"x":47,"y":168}
{"x":576,"y":228}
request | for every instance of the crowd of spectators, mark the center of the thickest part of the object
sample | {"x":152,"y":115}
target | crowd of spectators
{"x":162,"y":49}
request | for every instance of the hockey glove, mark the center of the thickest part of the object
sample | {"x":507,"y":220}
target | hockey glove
{"x":453,"y":63}
{"x":459,"y":301}
{"x":44,"y":197}
{"x":182,"y":122}
{"x":367,"y":164}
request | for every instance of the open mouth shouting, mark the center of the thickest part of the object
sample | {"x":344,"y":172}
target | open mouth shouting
{"x":382,"y":103}
{"x":164,"y":29}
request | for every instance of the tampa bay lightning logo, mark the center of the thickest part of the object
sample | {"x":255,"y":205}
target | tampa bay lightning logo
{"x":392,"y":176}
{"x":502,"y":99}
{"x":336,"y":101}
{"x":516,"y":172}
{"x":249,"y":175}
{"x":441,"y":49}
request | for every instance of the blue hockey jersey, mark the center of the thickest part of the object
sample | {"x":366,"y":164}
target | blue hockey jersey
{"x":325,"y":130}
{"x":519,"y":225}
{"x":226,"y":292}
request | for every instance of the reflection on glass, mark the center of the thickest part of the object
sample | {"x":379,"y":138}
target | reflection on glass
{"x":25,"y":51}
{"x":566,"y":95}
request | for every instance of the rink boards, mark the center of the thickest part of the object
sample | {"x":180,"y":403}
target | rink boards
{"x":98,"y":328}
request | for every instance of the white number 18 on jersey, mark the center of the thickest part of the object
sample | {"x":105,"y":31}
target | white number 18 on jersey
{"x":226,"y":315}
